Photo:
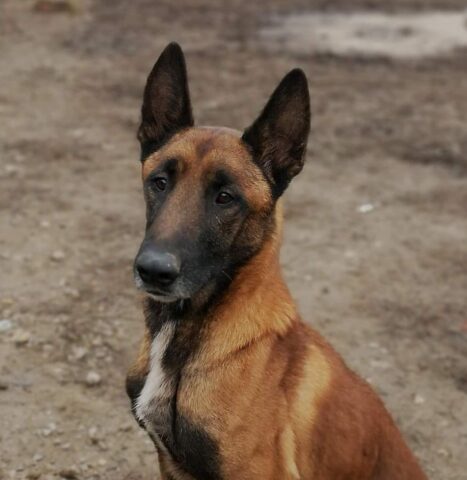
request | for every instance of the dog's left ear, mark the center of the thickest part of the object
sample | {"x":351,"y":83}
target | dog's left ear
{"x":166,"y":103}
{"x":279,"y":136}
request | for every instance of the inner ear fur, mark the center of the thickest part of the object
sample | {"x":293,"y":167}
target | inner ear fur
{"x":279,"y":136}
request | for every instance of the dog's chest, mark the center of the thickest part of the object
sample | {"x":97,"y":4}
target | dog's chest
{"x":188,"y":444}
{"x":153,"y":406}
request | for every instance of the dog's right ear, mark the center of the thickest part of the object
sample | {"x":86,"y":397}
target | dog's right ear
{"x":166,"y":102}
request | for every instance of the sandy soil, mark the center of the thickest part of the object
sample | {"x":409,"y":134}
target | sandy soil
{"x":376,"y":234}
{"x":370,"y":34}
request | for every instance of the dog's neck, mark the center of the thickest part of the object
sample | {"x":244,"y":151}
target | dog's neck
{"x":256,"y":303}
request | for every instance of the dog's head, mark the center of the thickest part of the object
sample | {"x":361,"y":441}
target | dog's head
{"x":211,"y":192}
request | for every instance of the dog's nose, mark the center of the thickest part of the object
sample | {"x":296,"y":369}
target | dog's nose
{"x":156,"y":267}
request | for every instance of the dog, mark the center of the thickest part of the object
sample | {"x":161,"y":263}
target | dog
{"x":229,"y":383}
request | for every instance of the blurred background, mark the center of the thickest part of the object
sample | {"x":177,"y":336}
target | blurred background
{"x":376,"y":225}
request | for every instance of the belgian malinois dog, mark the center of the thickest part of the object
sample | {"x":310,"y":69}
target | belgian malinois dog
{"x":229,"y":383}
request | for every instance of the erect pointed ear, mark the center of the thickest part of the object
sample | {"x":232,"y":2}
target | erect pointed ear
{"x":279,"y":136}
{"x":166,"y":102}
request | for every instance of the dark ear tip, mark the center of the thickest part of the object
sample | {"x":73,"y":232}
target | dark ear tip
{"x":173,"y":47}
{"x":297,"y":73}
{"x":172,"y":51}
{"x":296,"y":77}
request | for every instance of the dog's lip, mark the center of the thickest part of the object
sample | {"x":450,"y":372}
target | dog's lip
{"x":155,"y":291}
{"x":151,"y":289}
{"x":160,"y":295}
{"x":163,"y":298}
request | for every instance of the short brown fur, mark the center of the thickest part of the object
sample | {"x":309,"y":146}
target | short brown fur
{"x":275,"y":398}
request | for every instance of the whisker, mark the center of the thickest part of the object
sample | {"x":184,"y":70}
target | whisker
{"x":227,"y":275}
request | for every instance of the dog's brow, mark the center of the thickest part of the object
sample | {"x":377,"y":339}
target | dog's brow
{"x":223,"y":177}
{"x":172,"y":165}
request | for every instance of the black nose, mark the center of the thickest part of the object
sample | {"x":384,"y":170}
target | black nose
{"x":156,"y":267}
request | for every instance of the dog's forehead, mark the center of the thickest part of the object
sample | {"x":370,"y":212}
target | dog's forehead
{"x":195,"y":144}
{"x":203,"y":151}
{"x":209,"y":142}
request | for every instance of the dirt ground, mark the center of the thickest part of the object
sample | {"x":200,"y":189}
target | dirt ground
{"x":375,"y":247}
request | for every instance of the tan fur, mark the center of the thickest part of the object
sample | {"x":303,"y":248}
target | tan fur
{"x":277,"y":399}
{"x":140,"y":367}
{"x":225,"y":149}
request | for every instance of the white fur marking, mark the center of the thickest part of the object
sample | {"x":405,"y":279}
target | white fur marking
{"x":156,"y":385}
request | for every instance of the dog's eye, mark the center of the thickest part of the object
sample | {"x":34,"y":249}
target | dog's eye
{"x":223,"y":198}
{"x":160,"y":183}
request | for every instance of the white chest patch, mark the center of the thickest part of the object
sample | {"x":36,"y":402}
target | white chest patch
{"x":158,"y":386}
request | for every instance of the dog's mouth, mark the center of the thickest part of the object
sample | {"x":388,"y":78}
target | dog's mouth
{"x":156,"y":293}
{"x":162,"y":297}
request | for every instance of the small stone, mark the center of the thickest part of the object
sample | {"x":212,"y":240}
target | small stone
{"x":350,"y":254}
{"x":93,"y":434}
{"x":366,"y":208}
{"x":96,"y":341}
{"x":72,"y":292}
{"x":70,"y":473}
{"x":7,"y":302}
{"x":51,"y":427}
{"x":58,"y":255}
{"x":21,"y":337}
{"x":3,"y":386}
{"x":58,"y":372}
{"x":102,"y":462}
{"x":93,"y":379}
{"x":418,"y":399}
{"x":5,"y":325}
{"x":45,"y":224}
{"x":38,"y":457}
{"x":78,"y":353}
{"x":78,"y":132}
{"x":444,"y":453}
